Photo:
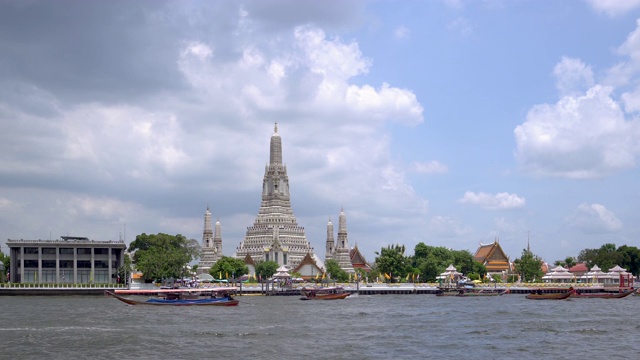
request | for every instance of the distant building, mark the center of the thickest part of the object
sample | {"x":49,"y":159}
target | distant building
{"x":69,"y":260}
{"x":211,"y":244}
{"x":579,"y":269}
{"x":493,"y":258}
{"x":275,"y":234}
{"x":310,"y":267}
{"x":357,"y":259}
{"x":251,"y":265}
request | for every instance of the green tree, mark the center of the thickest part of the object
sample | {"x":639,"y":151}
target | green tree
{"x":6,"y":261}
{"x":266,"y":269}
{"x":466,"y":264}
{"x":194,"y":249}
{"x":568,"y":262}
{"x":125,"y":270}
{"x":431,"y":261}
{"x":392,"y":261}
{"x":529,"y":266}
{"x":606,"y":257}
{"x":227,"y":267}
{"x":161,"y":256}
{"x":630,"y":259}
{"x":335,"y":271}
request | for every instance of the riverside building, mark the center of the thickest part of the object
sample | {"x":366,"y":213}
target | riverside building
{"x":68,"y":260}
{"x":275,"y":234}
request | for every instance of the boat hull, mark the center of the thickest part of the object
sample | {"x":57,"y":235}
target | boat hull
{"x":325,"y":297}
{"x":559,"y":296}
{"x":603,"y":295}
{"x":463,"y":293}
{"x":320,"y":293}
{"x":177,"y":302}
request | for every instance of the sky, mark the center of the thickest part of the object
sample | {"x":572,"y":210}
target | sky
{"x":452,"y":123}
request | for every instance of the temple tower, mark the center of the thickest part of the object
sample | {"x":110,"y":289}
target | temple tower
{"x":331,"y":244}
{"x":211,"y":246}
{"x":217,"y":239}
{"x":275,"y":234}
{"x":341,"y":254}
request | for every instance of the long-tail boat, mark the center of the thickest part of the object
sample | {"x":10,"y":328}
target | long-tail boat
{"x":538,"y":295}
{"x":323,"y":293}
{"x":180,"y":297}
{"x":470,"y":292}
{"x":581,"y":295}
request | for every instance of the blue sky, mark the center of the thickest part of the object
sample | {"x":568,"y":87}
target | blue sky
{"x":444,"y":122}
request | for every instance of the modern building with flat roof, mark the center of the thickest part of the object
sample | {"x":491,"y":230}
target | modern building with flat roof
{"x":74,"y":260}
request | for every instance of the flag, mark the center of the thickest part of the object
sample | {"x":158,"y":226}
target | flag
{"x":418,"y":278}
{"x":226,"y":275}
{"x":323,"y":274}
{"x":407,"y":277}
{"x":387,"y":276}
{"x":317,"y":276}
{"x":220,"y":275}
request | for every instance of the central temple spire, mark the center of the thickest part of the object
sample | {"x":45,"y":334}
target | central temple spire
{"x":275,"y":234}
{"x":275,"y":157}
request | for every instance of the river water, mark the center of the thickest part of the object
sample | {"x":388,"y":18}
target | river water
{"x":359,"y":327}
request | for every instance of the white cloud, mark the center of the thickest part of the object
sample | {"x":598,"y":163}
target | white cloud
{"x":454,"y":4}
{"x":164,"y":156}
{"x":500,"y":201}
{"x":332,"y":58}
{"x":6,"y":204}
{"x":573,"y":76}
{"x":586,"y":134}
{"x":614,"y":7}
{"x":461,"y":25}
{"x":578,"y":137}
{"x":402,"y":32}
{"x":430,"y":167}
{"x":594,"y":218}
{"x":626,"y":72}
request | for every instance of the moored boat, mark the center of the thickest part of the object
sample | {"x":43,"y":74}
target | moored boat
{"x":181,"y":297}
{"x":580,"y":295}
{"x":470,"y":292}
{"x":539,"y":295}
{"x":323,"y":293}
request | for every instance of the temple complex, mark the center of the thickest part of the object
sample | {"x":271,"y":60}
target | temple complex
{"x":275,"y":234}
{"x":211,"y":244}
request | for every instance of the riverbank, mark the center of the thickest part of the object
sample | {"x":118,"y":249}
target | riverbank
{"x":257,"y":289}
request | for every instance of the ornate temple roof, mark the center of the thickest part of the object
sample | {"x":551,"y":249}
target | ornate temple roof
{"x":492,"y":257}
{"x":357,"y":259}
